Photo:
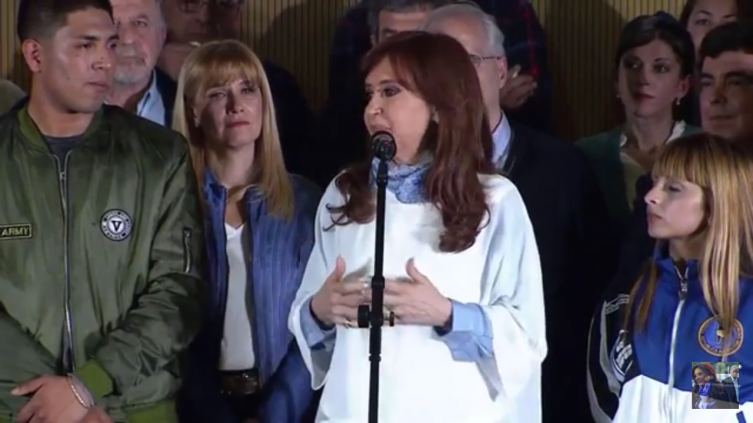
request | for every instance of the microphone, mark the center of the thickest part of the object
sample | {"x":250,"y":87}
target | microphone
{"x":372,"y":315}
{"x":383,"y":145}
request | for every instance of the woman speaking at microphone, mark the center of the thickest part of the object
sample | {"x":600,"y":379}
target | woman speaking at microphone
{"x":463,"y":275}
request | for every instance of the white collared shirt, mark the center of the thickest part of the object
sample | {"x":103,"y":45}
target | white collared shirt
{"x":501,"y":141}
{"x":677,"y":130}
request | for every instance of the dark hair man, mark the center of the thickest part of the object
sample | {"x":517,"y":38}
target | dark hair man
{"x":99,"y":234}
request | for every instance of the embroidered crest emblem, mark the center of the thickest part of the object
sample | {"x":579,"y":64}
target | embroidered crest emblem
{"x":621,"y":357}
{"x":712,"y":340}
{"x":116,"y":225}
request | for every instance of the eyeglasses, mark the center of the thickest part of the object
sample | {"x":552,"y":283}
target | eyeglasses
{"x":193,"y":6}
{"x":477,"y":60}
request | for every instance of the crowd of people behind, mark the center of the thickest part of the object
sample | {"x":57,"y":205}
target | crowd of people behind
{"x":182,"y":239}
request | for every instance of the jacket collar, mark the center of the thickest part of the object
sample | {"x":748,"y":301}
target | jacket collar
{"x":216,"y":195}
{"x":671,"y":270}
{"x":33,"y":135}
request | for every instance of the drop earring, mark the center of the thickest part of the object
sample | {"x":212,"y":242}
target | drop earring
{"x":677,"y":102}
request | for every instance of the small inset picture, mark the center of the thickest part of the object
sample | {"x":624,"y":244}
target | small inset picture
{"x":716,"y":385}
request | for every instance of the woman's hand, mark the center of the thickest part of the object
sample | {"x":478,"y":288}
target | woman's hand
{"x":517,"y":90}
{"x":416,"y":301}
{"x":338,"y":299}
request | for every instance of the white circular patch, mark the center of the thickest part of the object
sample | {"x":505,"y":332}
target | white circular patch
{"x":116,"y":225}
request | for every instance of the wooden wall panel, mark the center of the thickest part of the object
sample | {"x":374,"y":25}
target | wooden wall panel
{"x":297,"y":33}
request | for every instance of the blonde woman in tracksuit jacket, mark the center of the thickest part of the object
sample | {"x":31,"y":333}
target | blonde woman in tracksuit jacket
{"x":692,"y":302}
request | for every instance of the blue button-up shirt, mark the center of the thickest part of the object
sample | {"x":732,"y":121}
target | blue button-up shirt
{"x":501,"y":140}
{"x":151,"y":105}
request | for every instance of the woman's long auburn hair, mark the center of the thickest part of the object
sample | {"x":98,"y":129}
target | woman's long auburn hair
{"x":706,"y":368}
{"x":724,"y":171}
{"x":217,"y":63}
{"x":437,"y":69}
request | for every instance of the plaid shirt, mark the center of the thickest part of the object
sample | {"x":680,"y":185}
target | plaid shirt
{"x":524,"y":44}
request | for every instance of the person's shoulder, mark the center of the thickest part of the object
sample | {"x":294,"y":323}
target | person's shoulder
{"x":10,"y":95}
{"x":501,"y":192}
{"x":602,"y":139}
{"x":141,"y":132}
{"x":9,"y":117}
{"x":306,"y":193}
{"x":303,"y":184}
{"x":691,"y":130}
{"x":552,"y":153}
{"x":332,"y":194}
{"x":8,"y":88}
{"x":544,"y":144}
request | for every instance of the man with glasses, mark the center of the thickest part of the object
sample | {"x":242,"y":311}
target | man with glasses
{"x":565,"y":207}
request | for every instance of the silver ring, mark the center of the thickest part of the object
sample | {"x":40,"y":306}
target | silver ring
{"x":389,"y":317}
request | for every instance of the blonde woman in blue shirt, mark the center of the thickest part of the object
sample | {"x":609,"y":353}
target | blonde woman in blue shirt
{"x":653,"y":71}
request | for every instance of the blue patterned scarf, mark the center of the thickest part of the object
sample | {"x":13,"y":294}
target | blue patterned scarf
{"x":704,"y":390}
{"x":405,"y":181}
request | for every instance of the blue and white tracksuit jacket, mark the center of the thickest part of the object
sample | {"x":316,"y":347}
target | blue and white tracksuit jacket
{"x":644,"y":376}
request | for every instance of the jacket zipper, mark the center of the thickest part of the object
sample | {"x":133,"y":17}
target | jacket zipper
{"x":187,"y":264}
{"x":673,"y":344}
{"x":69,"y":361}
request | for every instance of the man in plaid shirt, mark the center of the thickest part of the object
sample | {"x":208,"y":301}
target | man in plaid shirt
{"x":527,"y":98}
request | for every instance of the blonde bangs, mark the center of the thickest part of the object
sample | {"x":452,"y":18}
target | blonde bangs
{"x":686,"y":162}
{"x":219,"y":63}
{"x":724,"y":171}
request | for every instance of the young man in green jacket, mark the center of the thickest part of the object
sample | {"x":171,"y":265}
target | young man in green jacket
{"x":100,"y":235}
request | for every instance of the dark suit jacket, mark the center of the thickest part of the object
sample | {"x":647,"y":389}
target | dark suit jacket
{"x":637,"y":246}
{"x":167,"y":89}
{"x":578,"y":253}
{"x":730,"y":387}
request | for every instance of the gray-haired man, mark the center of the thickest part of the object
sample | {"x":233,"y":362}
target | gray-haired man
{"x":732,"y":384}
{"x":138,"y":86}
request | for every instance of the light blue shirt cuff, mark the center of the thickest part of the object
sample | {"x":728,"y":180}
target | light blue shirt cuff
{"x":316,"y":336}
{"x":468,"y":334}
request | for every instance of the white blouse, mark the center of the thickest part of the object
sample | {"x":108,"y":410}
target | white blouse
{"x":420,"y":380}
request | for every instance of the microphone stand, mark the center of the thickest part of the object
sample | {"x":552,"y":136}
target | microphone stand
{"x":373,"y":316}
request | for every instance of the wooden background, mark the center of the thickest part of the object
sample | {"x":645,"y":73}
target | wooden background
{"x":297,"y":33}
